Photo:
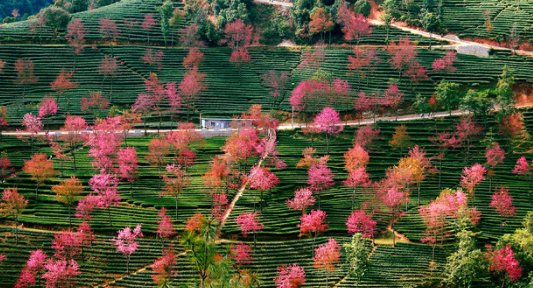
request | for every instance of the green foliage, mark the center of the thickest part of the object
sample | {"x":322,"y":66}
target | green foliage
{"x":430,"y":21}
{"x":504,"y":91}
{"x":55,"y":18}
{"x":72,"y":6}
{"x":465,"y":265}
{"x":228,"y":11}
{"x":447,"y":95}
{"x":477,"y":102}
{"x":301,"y":12}
{"x":166,"y":12}
{"x":277,"y":29}
{"x":357,"y":254}
{"x":362,"y":7}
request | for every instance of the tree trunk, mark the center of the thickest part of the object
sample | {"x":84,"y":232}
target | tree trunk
{"x":69,"y":216}
{"x":176,"y":209}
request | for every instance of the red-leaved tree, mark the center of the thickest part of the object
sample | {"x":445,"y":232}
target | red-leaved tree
{"x":164,"y":268}
{"x":313,"y":223}
{"x":326,"y":256}
{"x":12,"y":205}
{"x":503,"y":203}
{"x":290,"y":276}
{"x":504,"y":264}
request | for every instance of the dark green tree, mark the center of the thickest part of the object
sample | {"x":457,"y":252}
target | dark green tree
{"x":447,"y":95}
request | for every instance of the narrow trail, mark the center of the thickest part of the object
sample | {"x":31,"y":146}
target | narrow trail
{"x":240,"y":192}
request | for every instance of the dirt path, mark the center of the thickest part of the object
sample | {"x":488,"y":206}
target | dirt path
{"x":282,"y":127}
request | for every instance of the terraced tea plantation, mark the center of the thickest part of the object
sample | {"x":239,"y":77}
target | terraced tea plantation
{"x":163,"y":144}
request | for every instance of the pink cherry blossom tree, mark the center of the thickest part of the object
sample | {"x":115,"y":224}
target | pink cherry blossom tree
{"x":326,"y":256}
{"x":248,"y":222}
{"x":503,"y":203}
{"x":175,"y":182}
{"x":164,"y":268}
{"x":148,"y":23}
{"x":471,"y":177}
{"x":360,"y":222}
{"x":241,"y":253}
{"x":523,"y":168}
{"x":48,"y":107}
{"x":494,"y":155}
{"x":393,"y":199}
{"x":329,"y":122}
{"x":60,"y":272}
{"x":319,"y":178}
{"x":76,"y":36}
{"x":303,"y":198}
{"x":365,"y":135}
{"x":219,"y":205}
{"x":262,"y":179}
{"x":445,"y":63}
{"x":357,"y":178}
{"x":126,"y":243}
{"x":290,"y":276}
{"x":128,"y":164}
{"x":32,"y":270}
{"x":313,"y":223}
{"x":165,"y":228}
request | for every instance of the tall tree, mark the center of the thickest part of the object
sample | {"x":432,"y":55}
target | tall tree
{"x":402,"y":54}
{"x":66,"y":193}
{"x":126,"y":243}
{"x":329,"y":122}
{"x":12,"y":205}
{"x":76,"y":37}
{"x":313,"y":223}
{"x":504,"y":264}
{"x":321,"y":22}
{"x":503,"y":203}
{"x":62,"y":83}
{"x":357,"y":254}
{"x":471,"y":177}
{"x":148,"y":23}
{"x":175,"y":182}
{"x":40,"y":168}
{"x":326,"y":256}
{"x":303,"y":198}
{"x":164,"y":268}
{"x":249,"y":222}
{"x":465,"y":265}
{"x":276,"y":82}
{"x":290,"y":276}
{"x":25,"y":74}
{"x":319,"y":178}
